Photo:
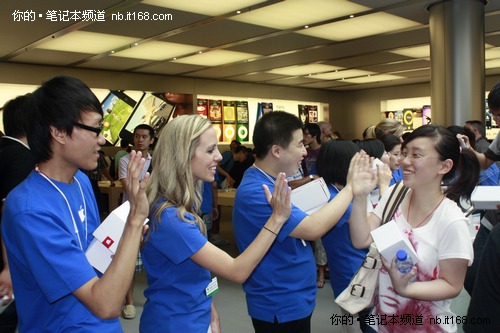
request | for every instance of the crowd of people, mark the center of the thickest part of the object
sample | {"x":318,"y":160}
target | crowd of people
{"x":50,"y":211}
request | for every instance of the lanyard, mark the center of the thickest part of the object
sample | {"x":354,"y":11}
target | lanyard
{"x":69,"y":207}
{"x":265,"y":174}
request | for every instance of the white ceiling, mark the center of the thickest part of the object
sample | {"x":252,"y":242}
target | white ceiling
{"x":347,"y":45}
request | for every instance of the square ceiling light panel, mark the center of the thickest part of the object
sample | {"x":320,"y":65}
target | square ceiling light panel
{"x":300,"y":70}
{"x":373,"y":78}
{"x":216,"y":58}
{"x":298,"y":13}
{"x":362,"y":26}
{"x":423,"y":51}
{"x":204,"y":7}
{"x":87,"y":42}
{"x":492,"y":53}
{"x":494,"y":63}
{"x":157,"y":51}
{"x":342,"y":74}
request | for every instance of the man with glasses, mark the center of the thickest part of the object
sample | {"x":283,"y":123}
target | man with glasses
{"x":49,"y":218}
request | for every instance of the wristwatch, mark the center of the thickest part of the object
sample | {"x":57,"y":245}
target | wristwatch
{"x":311,"y":177}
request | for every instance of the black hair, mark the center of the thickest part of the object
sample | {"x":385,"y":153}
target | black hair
{"x":455,"y":129}
{"x":60,"y":103}
{"x":274,"y":128}
{"x":314,"y":130}
{"x":465,"y":169}
{"x":146,"y":127}
{"x":478,"y":125}
{"x":373,"y":147}
{"x":390,"y":141}
{"x":333,"y":160}
{"x":14,"y":116}
{"x":124,"y":143}
{"x":494,"y":98}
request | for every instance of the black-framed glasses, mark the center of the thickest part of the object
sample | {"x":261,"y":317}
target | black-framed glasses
{"x":96,"y":130}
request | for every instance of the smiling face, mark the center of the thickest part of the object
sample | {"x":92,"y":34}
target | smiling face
{"x":82,"y":149}
{"x":206,"y":156}
{"x":291,"y":156}
{"x":394,"y":155}
{"x":421,"y":163}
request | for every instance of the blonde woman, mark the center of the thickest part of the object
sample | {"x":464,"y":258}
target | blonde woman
{"x":177,"y":256}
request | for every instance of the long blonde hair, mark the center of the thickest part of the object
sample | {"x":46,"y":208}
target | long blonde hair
{"x":172,"y":177}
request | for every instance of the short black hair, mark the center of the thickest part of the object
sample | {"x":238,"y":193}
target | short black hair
{"x":373,"y":147}
{"x":390,"y":141}
{"x":314,"y":130}
{"x":333,"y":160}
{"x":274,"y":128}
{"x":494,"y":97}
{"x":60,"y":103}
{"x":14,"y":116}
{"x":146,"y":127}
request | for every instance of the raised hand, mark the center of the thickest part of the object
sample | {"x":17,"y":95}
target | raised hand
{"x":360,"y":176}
{"x":280,"y":200}
{"x":136,"y":188}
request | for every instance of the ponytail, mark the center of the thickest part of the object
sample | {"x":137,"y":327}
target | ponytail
{"x":466,"y":176}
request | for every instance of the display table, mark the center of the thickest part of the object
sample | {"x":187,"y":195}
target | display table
{"x":226,"y":197}
{"x":113,"y":192}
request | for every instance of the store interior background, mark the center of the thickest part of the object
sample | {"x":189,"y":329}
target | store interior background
{"x":354,"y":67}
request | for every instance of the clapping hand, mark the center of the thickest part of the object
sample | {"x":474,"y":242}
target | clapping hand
{"x":280,"y":200}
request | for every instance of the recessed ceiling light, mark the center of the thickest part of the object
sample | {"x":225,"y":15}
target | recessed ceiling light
{"x":351,"y":16}
{"x":306,"y":26}
{"x":238,"y":12}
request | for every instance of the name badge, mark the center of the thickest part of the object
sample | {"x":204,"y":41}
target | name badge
{"x":212,"y":287}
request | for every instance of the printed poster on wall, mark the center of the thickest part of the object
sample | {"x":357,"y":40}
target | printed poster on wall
{"x":242,"y":112}
{"x":242,"y":121}
{"x":304,"y":114}
{"x":215,"y":111}
{"x":229,"y":121}
{"x":313,"y":113}
{"x":267,"y":107}
{"x":215,"y":116}
{"x":202,"y":108}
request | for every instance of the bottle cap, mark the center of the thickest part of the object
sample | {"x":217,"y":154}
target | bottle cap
{"x":401,"y":255}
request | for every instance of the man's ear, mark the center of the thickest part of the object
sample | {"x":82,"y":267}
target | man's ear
{"x":276,"y":151}
{"x":58,"y":135}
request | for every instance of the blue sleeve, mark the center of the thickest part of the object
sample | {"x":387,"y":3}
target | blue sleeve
{"x":176,"y":239}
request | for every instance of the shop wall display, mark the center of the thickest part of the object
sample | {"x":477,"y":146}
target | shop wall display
{"x":202,"y":107}
{"x":246,"y":112}
{"x":117,"y":108}
{"x":229,"y":121}
{"x":215,"y":116}
{"x":242,"y":121}
{"x":313,"y":113}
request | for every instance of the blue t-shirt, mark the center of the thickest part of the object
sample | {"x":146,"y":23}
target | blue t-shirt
{"x":46,"y":262}
{"x":207,"y":197}
{"x":397,"y":175}
{"x":284,"y":283}
{"x":343,"y":258}
{"x":489,"y":177}
{"x":176,"y":299}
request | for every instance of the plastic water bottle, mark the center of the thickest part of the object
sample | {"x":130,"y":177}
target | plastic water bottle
{"x":404,"y":263}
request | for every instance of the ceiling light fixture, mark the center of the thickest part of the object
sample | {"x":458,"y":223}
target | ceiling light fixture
{"x":351,"y":16}
{"x":306,"y":26}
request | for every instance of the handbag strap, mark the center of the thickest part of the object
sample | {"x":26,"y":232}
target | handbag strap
{"x":395,"y":198}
